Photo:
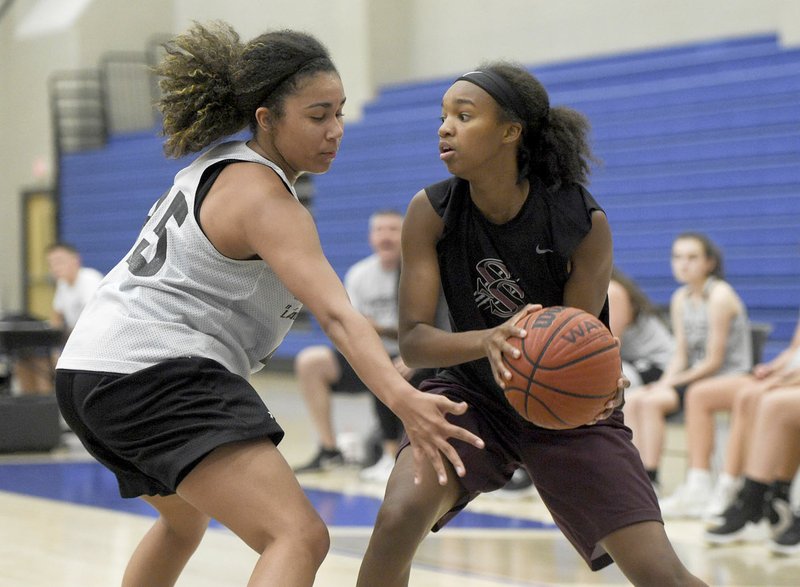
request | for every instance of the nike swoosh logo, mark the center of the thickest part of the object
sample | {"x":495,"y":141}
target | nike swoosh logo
{"x":542,"y":251}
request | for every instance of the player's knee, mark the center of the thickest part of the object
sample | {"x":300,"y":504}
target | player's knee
{"x":398,"y":517}
{"x":316,"y":541}
{"x":307,"y":540}
{"x":188,"y":529}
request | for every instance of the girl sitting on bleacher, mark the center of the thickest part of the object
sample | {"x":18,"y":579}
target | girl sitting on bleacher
{"x":712,"y":350}
{"x":772,"y":464}
{"x":751,"y":389}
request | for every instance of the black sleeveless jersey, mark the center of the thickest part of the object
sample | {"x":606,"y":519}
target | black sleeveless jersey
{"x":490,"y":271}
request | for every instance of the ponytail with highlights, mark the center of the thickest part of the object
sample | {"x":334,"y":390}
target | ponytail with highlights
{"x":212,"y":83}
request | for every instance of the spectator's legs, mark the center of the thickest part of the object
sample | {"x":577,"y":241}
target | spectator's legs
{"x":703,"y":400}
{"x":317,"y":370}
{"x":743,"y":412}
{"x":656,"y":402}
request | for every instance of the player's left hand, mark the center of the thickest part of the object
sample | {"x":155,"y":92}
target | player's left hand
{"x":623,"y":383}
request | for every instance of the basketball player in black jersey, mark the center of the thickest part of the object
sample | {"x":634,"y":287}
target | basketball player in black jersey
{"x":512,"y":229}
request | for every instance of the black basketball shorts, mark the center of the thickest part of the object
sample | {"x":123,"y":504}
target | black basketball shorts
{"x":153,"y":426}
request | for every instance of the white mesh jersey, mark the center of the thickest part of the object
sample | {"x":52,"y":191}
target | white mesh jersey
{"x":174,"y":295}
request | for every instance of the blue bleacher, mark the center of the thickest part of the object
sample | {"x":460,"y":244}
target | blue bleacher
{"x":704,"y":137}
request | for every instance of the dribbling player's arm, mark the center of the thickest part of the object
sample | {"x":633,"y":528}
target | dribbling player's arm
{"x":590,"y":274}
{"x":419,"y":284}
{"x":587,"y":286}
{"x":422,"y":344}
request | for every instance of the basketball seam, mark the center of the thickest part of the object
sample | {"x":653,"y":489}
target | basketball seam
{"x":571,"y":393}
{"x":535,"y":364}
{"x":605,"y":349}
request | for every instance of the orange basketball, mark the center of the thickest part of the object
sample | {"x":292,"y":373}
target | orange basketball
{"x":568,"y":368}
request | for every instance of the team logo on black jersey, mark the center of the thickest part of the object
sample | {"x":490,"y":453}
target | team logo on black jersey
{"x":497,"y":290}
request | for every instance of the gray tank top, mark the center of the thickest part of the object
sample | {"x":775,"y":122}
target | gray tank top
{"x":738,"y":349}
{"x":648,"y":339}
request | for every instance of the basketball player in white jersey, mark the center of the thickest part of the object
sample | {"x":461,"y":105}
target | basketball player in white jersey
{"x":153,"y":379}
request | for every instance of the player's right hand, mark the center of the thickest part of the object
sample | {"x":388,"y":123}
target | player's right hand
{"x":495,"y":344}
{"x":423,"y":417}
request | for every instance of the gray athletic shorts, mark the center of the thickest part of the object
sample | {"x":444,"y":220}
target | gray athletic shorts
{"x":150,"y":428}
{"x":590,"y":478}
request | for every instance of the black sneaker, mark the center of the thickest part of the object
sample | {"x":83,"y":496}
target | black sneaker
{"x":325,"y":460}
{"x":738,"y":525}
{"x":788,"y":542}
{"x":778,"y":512}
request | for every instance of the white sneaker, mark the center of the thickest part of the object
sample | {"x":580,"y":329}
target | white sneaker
{"x":691,"y":499}
{"x":724,"y":493}
{"x":379,"y":472}
{"x":779,"y":515}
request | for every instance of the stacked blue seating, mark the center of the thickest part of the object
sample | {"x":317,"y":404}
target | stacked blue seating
{"x":702,"y":137}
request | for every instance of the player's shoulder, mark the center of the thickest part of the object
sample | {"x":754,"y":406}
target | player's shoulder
{"x":572,"y":198}
{"x":443,"y":193}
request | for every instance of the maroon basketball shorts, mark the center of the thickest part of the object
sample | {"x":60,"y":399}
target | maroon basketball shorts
{"x":590,"y":478}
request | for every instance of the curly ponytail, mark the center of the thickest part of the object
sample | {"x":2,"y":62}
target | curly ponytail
{"x":555,"y":146}
{"x":562,"y":153}
{"x":212,"y":84}
{"x":198,"y":101}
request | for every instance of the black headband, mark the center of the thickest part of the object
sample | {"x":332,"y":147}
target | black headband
{"x":290,"y":74}
{"x":499,"y":89}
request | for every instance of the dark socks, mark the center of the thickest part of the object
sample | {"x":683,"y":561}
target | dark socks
{"x":752,"y":496}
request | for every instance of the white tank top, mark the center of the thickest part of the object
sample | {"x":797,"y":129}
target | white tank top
{"x":174,"y":295}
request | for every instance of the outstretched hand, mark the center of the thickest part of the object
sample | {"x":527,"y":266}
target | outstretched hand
{"x":423,"y":416}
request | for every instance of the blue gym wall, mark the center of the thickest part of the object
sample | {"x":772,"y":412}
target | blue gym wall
{"x":702,"y":137}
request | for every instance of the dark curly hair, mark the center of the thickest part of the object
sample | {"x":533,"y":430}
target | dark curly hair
{"x":212,"y":84}
{"x":555,"y":145}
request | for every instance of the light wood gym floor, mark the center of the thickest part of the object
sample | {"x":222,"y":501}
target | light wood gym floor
{"x":62,"y":524}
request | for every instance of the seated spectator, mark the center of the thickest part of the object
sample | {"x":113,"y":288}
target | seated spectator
{"x":772,"y":463}
{"x":645,"y":339}
{"x":749,"y":389}
{"x":646,"y":342}
{"x":75,"y":286}
{"x":372,"y":286}
{"x":712,"y":341}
